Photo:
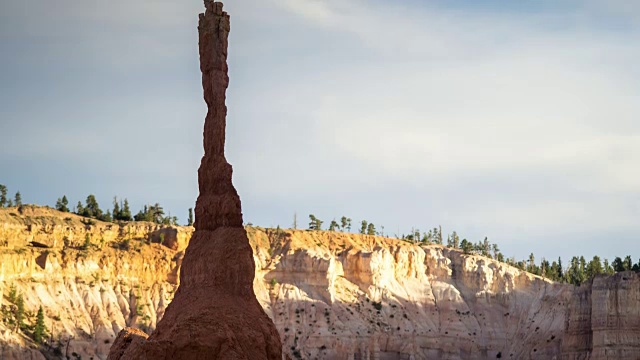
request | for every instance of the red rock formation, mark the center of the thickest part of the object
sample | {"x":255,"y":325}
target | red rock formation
{"x":215,"y":314}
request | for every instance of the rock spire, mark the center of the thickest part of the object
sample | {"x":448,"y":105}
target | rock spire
{"x":215,"y":313}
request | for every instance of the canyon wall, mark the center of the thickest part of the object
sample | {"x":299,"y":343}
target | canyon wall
{"x":331,"y":295}
{"x":603,"y":321}
{"x":91,"y":279}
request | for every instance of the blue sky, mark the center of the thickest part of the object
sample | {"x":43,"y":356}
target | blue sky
{"x":516,"y":122}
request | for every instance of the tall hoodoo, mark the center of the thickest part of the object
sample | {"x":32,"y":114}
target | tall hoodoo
{"x":214,"y":314}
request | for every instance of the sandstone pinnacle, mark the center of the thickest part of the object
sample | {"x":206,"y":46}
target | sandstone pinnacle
{"x":215,"y":313}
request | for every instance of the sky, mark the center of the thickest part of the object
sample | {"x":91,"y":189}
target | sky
{"x":518,"y":121}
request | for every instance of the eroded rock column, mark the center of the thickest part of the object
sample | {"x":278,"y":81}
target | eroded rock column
{"x":214,"y":314}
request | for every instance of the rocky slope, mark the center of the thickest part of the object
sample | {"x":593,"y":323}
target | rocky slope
{"x":331,"y":295}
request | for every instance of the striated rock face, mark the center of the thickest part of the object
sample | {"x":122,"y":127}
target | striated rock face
{"x":603,"y":321}
{"x":331,"y":295}
{"x":215,"y":313}
{"x":88,"y":295}
{"x":344,"y":296}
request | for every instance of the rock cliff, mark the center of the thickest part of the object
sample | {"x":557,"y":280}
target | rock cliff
{"x":603,"y":321}
{"x":91,"y":278}
{"x":331,"y":295}
{"x":215,"y":313}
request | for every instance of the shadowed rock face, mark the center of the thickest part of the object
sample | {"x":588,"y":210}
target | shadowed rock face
{"x":214,"y":314}
{"x":603,"y":321}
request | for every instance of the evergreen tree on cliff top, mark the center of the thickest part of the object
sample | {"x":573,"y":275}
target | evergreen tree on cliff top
{"x":62,"y":204}
{"x":92,"y":209}
{"x":3,"y":195}
{"x":315,"y":223}
{"x":116,"y":209}
{"x":125,"y":213}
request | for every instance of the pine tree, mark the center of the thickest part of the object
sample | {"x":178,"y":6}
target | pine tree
{"x":87,"y":242}
{"x":437,"y":237}
{"x":575,"y":275}
{"x":125,"y":214}
{"x":39,"y":331}
{"x":65,"y":203}
{"x":343,"y":223}
{"x":19,"y":315}
{"x":363,"y":228}
{"x":594,"y":267}
{"x":142,"y":214}
{"x":532,"y":262}
{"x":190,"y":220}
{"x":92,"y":209}
{"x":560,"y":270}
{"x":455,"y":240}
{"x":80,"y":209}
{"x":333,"y":225}
{"x":3,"y":195}
{"x":117,"y":213}
{"x":18,"y":199}
{"x":157,"y":213}
{"x":428,"y":237}
{"x":59,"y":204}
{"x":607,"y":268}
{"x":371,"y":229}
{"x":349,"y":224}
{"x":13,"y":294}
{"x":314,"y":223}
{"x":486,"y":247}
{"x":467,"y":247}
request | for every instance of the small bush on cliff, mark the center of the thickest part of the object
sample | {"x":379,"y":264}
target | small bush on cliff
{"x":87,"y":242}
{"x":124,"y":245}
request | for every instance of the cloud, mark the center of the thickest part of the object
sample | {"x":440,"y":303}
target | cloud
{"x":500,"y":100}
{"x":515,"y":123}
